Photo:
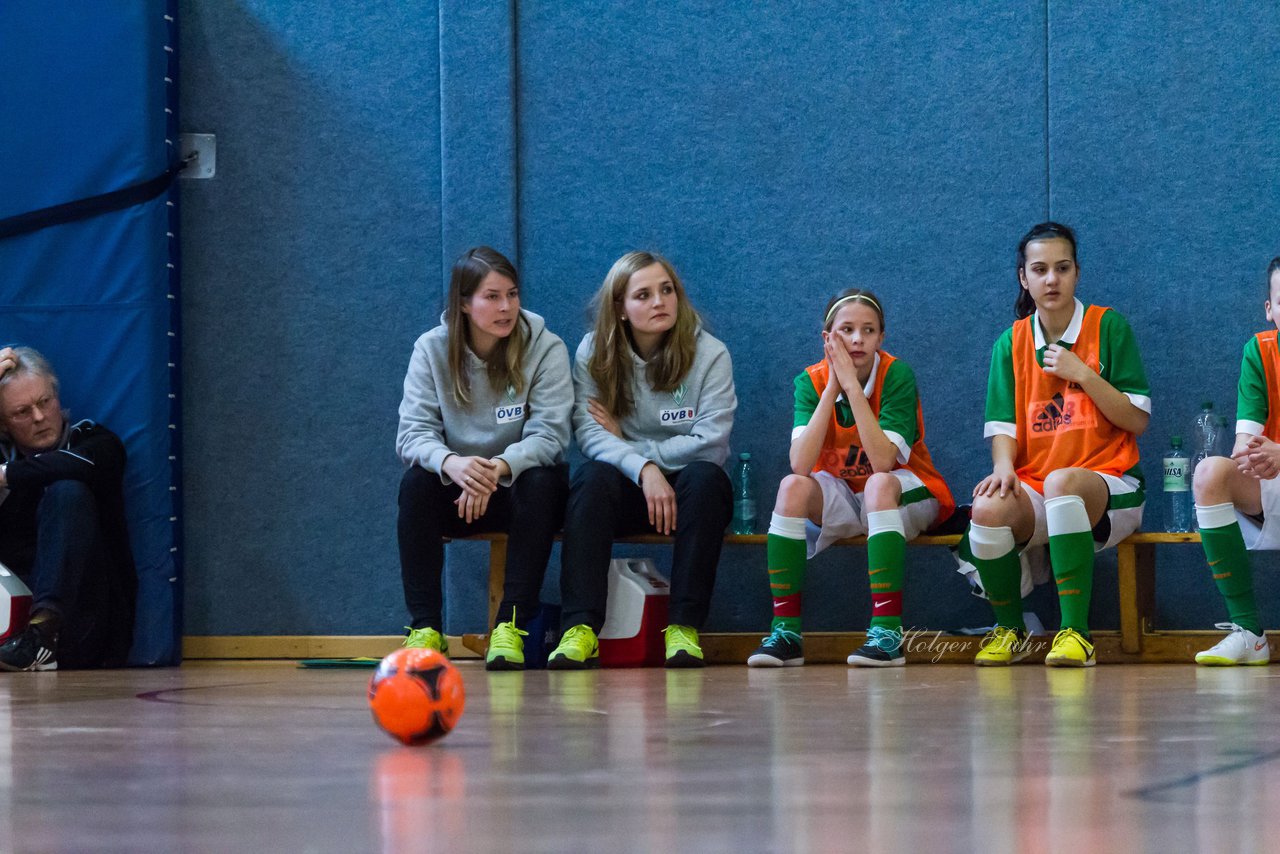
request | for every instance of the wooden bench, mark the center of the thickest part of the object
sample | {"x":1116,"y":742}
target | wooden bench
{"x":1135,"y":567}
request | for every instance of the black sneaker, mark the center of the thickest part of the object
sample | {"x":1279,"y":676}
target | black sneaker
{"x":882,"y":649}
{"x":782,"y":648}
{"x":29,"y":650}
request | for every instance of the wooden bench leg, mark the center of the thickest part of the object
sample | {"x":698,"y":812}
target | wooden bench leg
{"x":1136,"y":567}
{"x":497,"y":577}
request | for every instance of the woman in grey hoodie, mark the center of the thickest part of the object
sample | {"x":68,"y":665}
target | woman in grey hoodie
{"x":653,"y":409}
{"x":484,"y":425}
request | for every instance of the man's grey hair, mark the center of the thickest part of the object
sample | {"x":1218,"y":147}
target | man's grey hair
{"x":30,"y":361}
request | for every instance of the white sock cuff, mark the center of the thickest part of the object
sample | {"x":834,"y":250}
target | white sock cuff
{"x":885,"y":521}
{"x":790,"y":527}
{"x":990,"y":543}
{"x":1216,"y":515}
{"x":1066,"y":514}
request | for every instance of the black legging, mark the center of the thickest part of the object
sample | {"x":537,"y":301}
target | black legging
{"x":530,"y":511}
{"x":604,"y":504}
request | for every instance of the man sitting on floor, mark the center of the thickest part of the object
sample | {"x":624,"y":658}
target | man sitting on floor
{"x":62,"y":524}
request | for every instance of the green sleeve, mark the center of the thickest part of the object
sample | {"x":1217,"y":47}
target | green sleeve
{"x":1251,"y":400}
{"x":1001,"y":405}
{"x":806,"y":399}
{"x":1121,"y":365}
{"x":898,"y":399}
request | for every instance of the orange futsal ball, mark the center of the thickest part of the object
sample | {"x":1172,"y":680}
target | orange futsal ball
{"x":416,"y":695}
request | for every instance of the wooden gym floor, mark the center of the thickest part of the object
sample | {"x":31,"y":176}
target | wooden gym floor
{"x":253,"y":757}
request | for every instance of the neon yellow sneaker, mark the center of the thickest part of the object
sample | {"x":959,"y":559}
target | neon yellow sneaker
{"x":1070,"y":649}
{"x":1002,"y":647}
{"x":577,"y":650}
{"x":682,"y":646}
{"x":427,"y":638}
{"x":506,"y":650}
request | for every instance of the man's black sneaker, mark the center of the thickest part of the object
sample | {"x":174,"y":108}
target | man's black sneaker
{"x":29,"y":650}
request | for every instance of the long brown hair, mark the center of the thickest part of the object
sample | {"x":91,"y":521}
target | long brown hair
{"x":506,"y":363}
{"x":610,"y":364}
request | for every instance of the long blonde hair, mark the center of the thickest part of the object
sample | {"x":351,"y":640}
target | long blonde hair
{"x":610,"y":364}
{"x":506,"y":363}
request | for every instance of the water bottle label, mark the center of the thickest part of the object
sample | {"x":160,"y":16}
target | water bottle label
{"x":1175,"y":475}
{"x":746,"y":509}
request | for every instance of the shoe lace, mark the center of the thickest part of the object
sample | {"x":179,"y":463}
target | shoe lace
{"x":579,"y":636}
{"x":779,"y":636}
{"x":1000,"y":638}
{"x":1065,"y":635}
{"x":885,"y":639}
{"x":506,"y":633}
{"x":419,"y":637}
{"x":680,"y":635}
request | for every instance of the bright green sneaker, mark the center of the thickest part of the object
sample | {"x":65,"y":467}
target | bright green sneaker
{"x":506,"y":650}
{"x":426,"y":639}
{"x":1070,"y":649}
{"x":1002,"y":646}
{"x":682,"y":647}
{"x":577,"y":650}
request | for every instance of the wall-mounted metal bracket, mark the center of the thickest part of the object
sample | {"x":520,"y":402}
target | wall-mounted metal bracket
{"x":199,"y":153}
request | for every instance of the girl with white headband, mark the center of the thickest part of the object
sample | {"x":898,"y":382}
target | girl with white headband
{"x":859,"y":466}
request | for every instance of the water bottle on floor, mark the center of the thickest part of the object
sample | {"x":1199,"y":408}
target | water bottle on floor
{"x":1177,"y":488}
{"x":744,"y":496}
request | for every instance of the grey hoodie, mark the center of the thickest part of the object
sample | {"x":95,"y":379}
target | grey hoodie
{"x":670,"y":428}
{"x":525,"y":431}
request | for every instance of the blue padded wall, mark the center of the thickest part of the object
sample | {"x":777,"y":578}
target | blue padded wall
{"x":790,"y":156}
{"x":1162,"y":149}
{"x":311,"y":264}
{"x":88,"y":108}
{"x":775,"y":153}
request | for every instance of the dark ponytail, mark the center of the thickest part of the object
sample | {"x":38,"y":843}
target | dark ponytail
{"x":1024,"y":304}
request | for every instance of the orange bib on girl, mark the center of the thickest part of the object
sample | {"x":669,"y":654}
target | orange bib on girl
{"x":842,"y":455}
{"x":1270,"y":353}
{"x":1059,"y":425}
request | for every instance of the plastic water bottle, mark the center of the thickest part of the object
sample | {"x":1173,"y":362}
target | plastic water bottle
{"x":1204,"y":438}
{"x":744,"y":496}
{"x":1177,"y":488}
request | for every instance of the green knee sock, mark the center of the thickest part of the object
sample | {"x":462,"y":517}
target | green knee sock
{"x":786,"y":556}
{"x":1071,"y":553}
{"x":1229,"y":562}
{"x":1072,"y":558}
{"x":886,"y":566}
{"x":1001,"y":572}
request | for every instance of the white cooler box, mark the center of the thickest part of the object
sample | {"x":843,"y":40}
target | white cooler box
{"x":635,"y":615}
{"x":15,"y":604}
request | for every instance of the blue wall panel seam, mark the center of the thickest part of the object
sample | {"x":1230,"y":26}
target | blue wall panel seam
{"x":515,"y":132}
{"x":1048,"y":162}
{"x":174,"y":362}
{"x":444,"y":281}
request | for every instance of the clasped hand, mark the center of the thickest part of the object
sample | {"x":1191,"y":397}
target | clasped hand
{"x":1258,"y":458}
{"x":478,"y":477}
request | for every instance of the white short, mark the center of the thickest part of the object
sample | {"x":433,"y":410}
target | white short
{"x":1035,"y":565}
{"x":1264,"y":535}
{"x":845,"y":515}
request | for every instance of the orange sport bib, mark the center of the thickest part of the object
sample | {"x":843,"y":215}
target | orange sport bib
{"x":842,"y":455}
{"x":1059,"y":425}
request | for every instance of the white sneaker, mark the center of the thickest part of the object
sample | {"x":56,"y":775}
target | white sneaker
{"x":1240,"y":647}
